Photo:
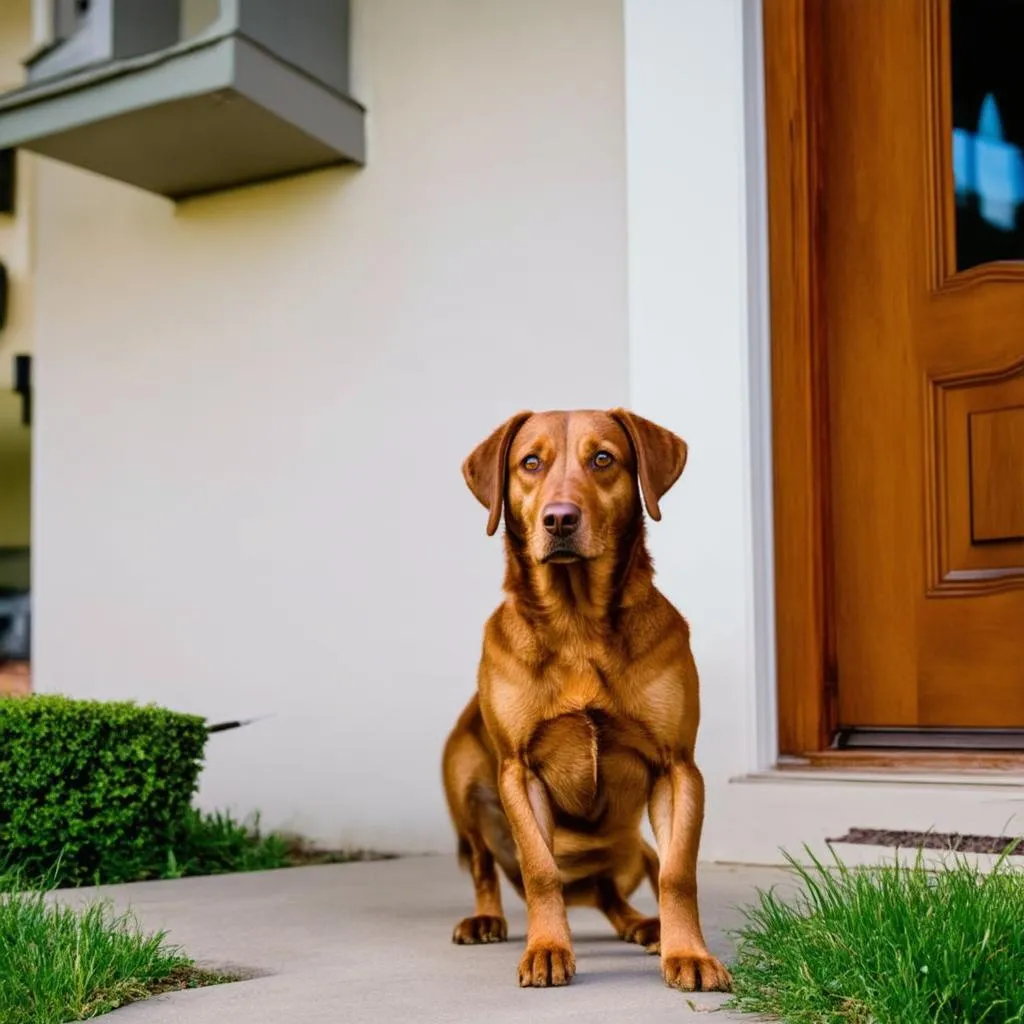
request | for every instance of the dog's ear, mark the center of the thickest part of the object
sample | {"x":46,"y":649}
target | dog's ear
{"x":486,"y":468}
{"x":660,"y":457}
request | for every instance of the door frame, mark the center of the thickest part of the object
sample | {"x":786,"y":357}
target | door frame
{"x":806,"y":664}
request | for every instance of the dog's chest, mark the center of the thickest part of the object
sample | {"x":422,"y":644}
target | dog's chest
{"x":591,"y":761}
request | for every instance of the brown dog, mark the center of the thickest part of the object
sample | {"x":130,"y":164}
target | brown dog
{"x":587,"y":706}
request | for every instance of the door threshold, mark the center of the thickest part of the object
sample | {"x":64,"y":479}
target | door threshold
{"x":1003,"y":741}
{"x":923,"y":749}
{"x":907,"y":761}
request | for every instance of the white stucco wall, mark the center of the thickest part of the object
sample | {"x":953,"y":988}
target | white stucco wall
{"x":252,"y":409}
{"x":251,"y":412}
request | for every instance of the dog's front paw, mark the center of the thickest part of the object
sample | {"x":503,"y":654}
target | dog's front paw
{"x":704,"y":973}
{"x":472,"y":931}
{"x":646,"y":932}
{"x":545,"y":964}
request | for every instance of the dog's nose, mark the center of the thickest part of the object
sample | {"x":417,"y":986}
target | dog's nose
{"x":561,"y":518}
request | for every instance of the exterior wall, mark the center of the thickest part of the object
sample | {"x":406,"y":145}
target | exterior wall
{"x":252,"y":408}
{"x":17,"y":335}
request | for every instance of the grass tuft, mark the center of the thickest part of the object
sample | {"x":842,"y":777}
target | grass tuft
{"x":894,"y":945}
{"x":209,"y":844}
{"x":217,"y":843}
{"x":59,"y":965}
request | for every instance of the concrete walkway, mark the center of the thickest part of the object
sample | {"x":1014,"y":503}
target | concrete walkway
{"x":349,"y":943}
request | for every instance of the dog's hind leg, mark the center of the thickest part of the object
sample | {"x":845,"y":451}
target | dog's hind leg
{"x":488,"y":921}
{"x":629,"y":923}
{"x":652,"y":867}
{"x":468,"y":771}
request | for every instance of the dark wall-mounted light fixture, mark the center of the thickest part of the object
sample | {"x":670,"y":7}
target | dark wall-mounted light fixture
{"x":7,"y":183}
{"x":23,"y":386}
{"x":4,"y":294}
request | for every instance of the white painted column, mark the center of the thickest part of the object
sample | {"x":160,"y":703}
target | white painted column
{"x":699,"y":351}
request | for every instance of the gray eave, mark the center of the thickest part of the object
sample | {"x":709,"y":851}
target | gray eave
{"x":207,"y":65}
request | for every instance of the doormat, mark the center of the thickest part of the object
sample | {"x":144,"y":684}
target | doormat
{"x":951,"y":842}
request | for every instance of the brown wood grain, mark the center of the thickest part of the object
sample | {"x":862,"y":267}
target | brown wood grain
{"x":997,"y":474}
{"x":894,"y":606}
{"x":961,"y":563}
{"x":805,"y":638}
{"x":910,"y":761}
{"x":898,"y":321}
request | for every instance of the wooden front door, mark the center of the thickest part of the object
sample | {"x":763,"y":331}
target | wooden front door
{"x":913,"y":137}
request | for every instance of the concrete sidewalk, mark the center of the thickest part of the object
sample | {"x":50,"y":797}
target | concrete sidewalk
{"x":370,"y":942}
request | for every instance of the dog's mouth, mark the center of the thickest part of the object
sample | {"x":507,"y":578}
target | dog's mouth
{"x":562,"y":554}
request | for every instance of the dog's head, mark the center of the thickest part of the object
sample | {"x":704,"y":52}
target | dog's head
{"x":570,"y":482}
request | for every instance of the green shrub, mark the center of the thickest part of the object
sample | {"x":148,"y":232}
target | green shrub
{"x":93,"y":791}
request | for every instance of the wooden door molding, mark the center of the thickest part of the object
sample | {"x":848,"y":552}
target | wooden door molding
{"x":805,"y":626}
{"x":993,"y":405}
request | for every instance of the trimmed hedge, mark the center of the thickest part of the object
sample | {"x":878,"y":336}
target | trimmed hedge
{"x":93,"y":791}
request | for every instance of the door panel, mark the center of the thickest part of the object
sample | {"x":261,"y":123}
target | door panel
{"x":976,"y":493}
{"x":996,"y":444}
{"x":922,"y":186}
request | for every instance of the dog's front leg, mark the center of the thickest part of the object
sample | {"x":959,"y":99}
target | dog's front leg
{"x":677,"y":816}
{"x":549,"y":958}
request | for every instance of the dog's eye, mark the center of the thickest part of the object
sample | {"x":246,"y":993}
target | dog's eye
{"x":602,"y":460}
{"x":531,"y":463}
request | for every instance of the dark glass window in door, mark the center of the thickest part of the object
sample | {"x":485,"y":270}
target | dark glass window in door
{"x":987,"y":47}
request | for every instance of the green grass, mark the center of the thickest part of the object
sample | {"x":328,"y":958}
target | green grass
{"x":59,"y":965}
{"x":217,"y":844}
{"x":211,"y":844}
{"x":893,"y":945}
